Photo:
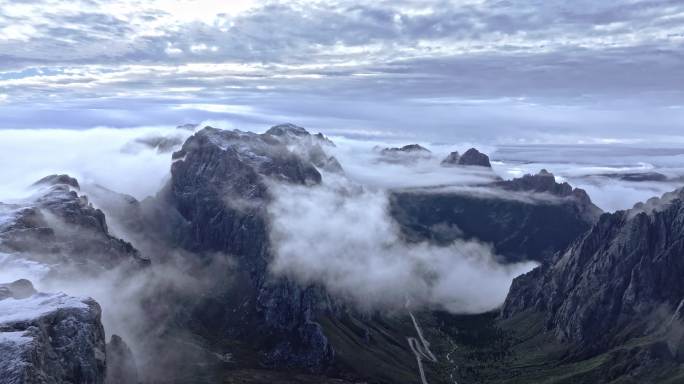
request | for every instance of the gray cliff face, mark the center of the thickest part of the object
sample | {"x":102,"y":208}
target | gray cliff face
{"x":545,"y":182}
{"x":51,"y":338}
{"x":473,"y":157}
{"x":219,"y":189}
{"x":406,"y":154}
{"x":613,"y":283}
{"x":55,"y":234}
{"x":58,"y":226}
{"x":518,"y":229}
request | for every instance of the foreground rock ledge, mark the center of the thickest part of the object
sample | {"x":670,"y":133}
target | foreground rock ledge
{"x":51,"y":338}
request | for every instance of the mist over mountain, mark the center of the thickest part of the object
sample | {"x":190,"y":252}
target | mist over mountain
{"x":288,"y":255}
{"x":341,"y":192}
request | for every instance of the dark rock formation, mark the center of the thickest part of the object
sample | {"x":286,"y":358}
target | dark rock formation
{"x":410,"y":148}
{"x":621,"y":280}
{"x":520,"y":227}
{"x":305,"y":145}
{"x":406,"y":154}
{"x":219,"y":190}
{"x":451,"y":159}
{"x":288,"y":130}
{"x":121,"y":368}
{"x":291,"y":133}
{"x":51,"y":338}
{"x":60,"y":227}
{"x":545,"y":182}
{"x":52,"y":180}
{"x":473,"y":157}
{"x":215,"y":204}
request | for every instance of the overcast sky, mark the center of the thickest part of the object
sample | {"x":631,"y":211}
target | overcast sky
{"x":504,"y":71}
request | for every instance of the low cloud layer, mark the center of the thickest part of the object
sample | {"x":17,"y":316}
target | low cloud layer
{"x":599,"y":168}
{"x":112,"y":158}
{"x":341,"y":236}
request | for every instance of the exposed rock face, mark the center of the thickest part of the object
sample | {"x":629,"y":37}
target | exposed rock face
{"x":545,"y":182}
{"x":219,"y":189}
{"x":616,"y":282}
{"x":121,"y":368}
{"x":408,"y":153}
{"x":305,"y":145}
{"x":51,"y":180}
{"x":60,"y":227}
{"x":473,"y":157}
{"x":288,"y":130}
{"x":410,"y":148}
{"x":51,"y":338}
{"x":451,"y":159}
{"x":519,"y":229}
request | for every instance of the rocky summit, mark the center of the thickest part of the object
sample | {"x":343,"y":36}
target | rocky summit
{"x":620,"y":280}
{"x":60,"y":229}
{"x":473,"y":157}
{"x":523,"y":226}
{"x":50,"y":338}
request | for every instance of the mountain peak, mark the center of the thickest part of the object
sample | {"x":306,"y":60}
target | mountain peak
{"x":287,"y":129}
{"x":52,"y":180}
{"x":474,"y":157}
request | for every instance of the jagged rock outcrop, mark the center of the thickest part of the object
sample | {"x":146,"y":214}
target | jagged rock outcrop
{"x":451,"y":159}
{"x":306,"y":145}
{"x":410,"y":148}
{"x":473,"y":157}
{"x":621,"y":280}
{"x":406,"y":154}
{"x":521,"y":227}
{"x":121,"y":367}
{"x":51,"y":338}
{"x":218,"y":192}
{"x":545,"y":182}
{"x":52,"y":180}
{"x":60,"y":228}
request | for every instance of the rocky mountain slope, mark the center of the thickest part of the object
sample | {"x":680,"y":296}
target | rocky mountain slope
{"x":608,"y":309}
{"x":60,"y":230}
{"x":55,"y":235}
{"x":215,"y":204}
{"x":540,"y":217}
{"x":621,"y":280}
{"x":50,"y":338}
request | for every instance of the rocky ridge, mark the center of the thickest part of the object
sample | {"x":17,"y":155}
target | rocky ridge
{"x":619,"y":281}
{"x":50,"y":338}
{"x":58,"y":226}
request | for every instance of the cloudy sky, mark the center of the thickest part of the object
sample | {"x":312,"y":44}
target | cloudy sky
{"x":443,"y":70}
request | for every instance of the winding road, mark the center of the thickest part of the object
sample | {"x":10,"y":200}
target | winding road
{"x":421,"y":348}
